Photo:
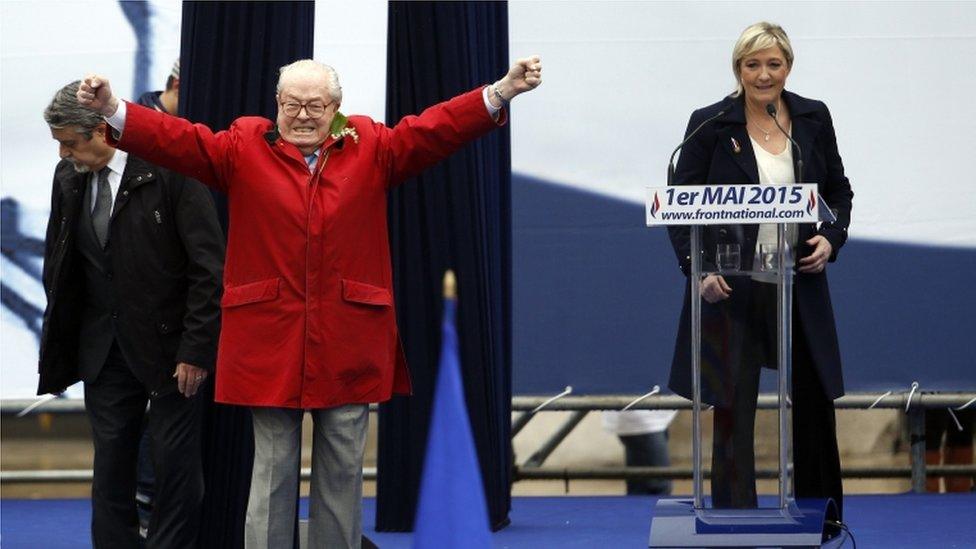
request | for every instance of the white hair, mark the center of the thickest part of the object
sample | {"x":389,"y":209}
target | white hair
{"x":312,"y":66}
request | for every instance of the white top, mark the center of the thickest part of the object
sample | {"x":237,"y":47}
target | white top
{"x":638,"y":422}
{"x":774,"y":169}
{"x":116,"y":167}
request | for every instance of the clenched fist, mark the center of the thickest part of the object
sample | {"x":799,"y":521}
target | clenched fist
{"x":525,"y":75}
{"x":95,"y":93}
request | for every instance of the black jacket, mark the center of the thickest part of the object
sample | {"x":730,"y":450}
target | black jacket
{"x":166,"y":253}
{"x":711,"y":158}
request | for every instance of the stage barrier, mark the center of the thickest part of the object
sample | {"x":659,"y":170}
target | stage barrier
{"x":911,"y":402}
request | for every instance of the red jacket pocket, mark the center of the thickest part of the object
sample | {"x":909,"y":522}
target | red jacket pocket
{"x":254,"y":292}
{"x":360,"y":292}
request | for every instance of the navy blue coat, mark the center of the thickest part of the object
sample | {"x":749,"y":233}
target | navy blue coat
{"x":711,"y":158}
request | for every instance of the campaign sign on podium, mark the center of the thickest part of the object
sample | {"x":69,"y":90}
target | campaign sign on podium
{"x":732,"y":204}
{"x":746,"y":235}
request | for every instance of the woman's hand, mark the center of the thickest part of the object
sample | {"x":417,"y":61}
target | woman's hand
{"x":715,"y":289}
{"x":817,"y":260}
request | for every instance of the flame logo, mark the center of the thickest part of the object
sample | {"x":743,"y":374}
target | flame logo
{"x":655,"y":206}
{"x":812,"y":202}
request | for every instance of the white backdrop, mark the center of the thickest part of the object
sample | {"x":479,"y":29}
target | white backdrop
{"x":43,"y":46}
{"x":620,"y":80}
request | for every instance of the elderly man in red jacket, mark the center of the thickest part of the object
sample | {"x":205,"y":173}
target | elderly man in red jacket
{"x":308,"y":312}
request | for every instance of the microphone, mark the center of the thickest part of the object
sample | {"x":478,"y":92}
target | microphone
{"x":771,"y":110}
{"x":722,"y":112}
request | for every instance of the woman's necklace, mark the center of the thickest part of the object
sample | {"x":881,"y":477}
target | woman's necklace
{"x":766,"y":134}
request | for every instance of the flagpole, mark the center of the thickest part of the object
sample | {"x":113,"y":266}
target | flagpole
{"x":451,"y":507}
{"x":450,"y":285}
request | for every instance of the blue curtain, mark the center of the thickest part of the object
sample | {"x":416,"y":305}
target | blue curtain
{"x":229,"y":56}
{"x":456,"y":215}
{"x":138,"y":15}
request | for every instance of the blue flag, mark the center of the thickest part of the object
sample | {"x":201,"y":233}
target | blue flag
{"x":452,"y":510}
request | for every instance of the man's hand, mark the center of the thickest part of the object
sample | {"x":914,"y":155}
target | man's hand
{"x":95,"y":93}
{"x":525,"y":75}
{"x":189,"y":378}
{"x":714,"y":288}
{"x":817,"y":260}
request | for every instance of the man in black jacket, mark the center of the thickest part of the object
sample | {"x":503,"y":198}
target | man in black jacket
{"x":167,"y":101}
{"x":132,"y":267}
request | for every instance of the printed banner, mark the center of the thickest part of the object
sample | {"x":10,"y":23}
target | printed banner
{"x":738,"y":204}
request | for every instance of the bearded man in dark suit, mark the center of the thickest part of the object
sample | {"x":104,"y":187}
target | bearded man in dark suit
{"x":132,"y":271}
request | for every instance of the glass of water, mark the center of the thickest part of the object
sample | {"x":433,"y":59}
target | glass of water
{"x":727,"y":257}
{"x":768,"y":257}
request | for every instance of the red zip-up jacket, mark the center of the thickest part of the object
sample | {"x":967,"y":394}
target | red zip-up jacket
{"x":308,"y":312}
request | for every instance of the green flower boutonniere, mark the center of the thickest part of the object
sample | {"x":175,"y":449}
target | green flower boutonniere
{"x":340,"y":128}
{"x":350,"y":131}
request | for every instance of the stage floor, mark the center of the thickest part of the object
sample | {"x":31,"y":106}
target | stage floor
{"x":882,"y":521}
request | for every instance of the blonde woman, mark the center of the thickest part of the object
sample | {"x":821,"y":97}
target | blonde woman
{"x":744,"y":146}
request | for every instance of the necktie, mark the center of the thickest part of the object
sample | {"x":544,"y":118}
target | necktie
{"x":103,"y":207}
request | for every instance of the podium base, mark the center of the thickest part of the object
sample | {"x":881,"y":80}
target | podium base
{"x":676,"y":523}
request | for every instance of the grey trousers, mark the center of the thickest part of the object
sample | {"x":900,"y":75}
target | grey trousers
{"x":335,"y":513}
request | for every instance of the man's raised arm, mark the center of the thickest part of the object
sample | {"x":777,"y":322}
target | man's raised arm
{"x":171,"y":142}
{"x":419,"y":141}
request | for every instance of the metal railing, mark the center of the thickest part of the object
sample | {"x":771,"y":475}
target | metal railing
{"x":914,"y":403}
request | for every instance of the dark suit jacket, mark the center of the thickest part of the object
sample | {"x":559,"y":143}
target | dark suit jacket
{"x":711,"y":158}
{"x":165,"y":259}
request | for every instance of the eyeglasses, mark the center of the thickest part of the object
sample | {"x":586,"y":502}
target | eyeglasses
{"x":313,"y":109}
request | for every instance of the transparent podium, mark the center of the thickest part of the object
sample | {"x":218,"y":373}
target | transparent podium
{"x":741,"y":241}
